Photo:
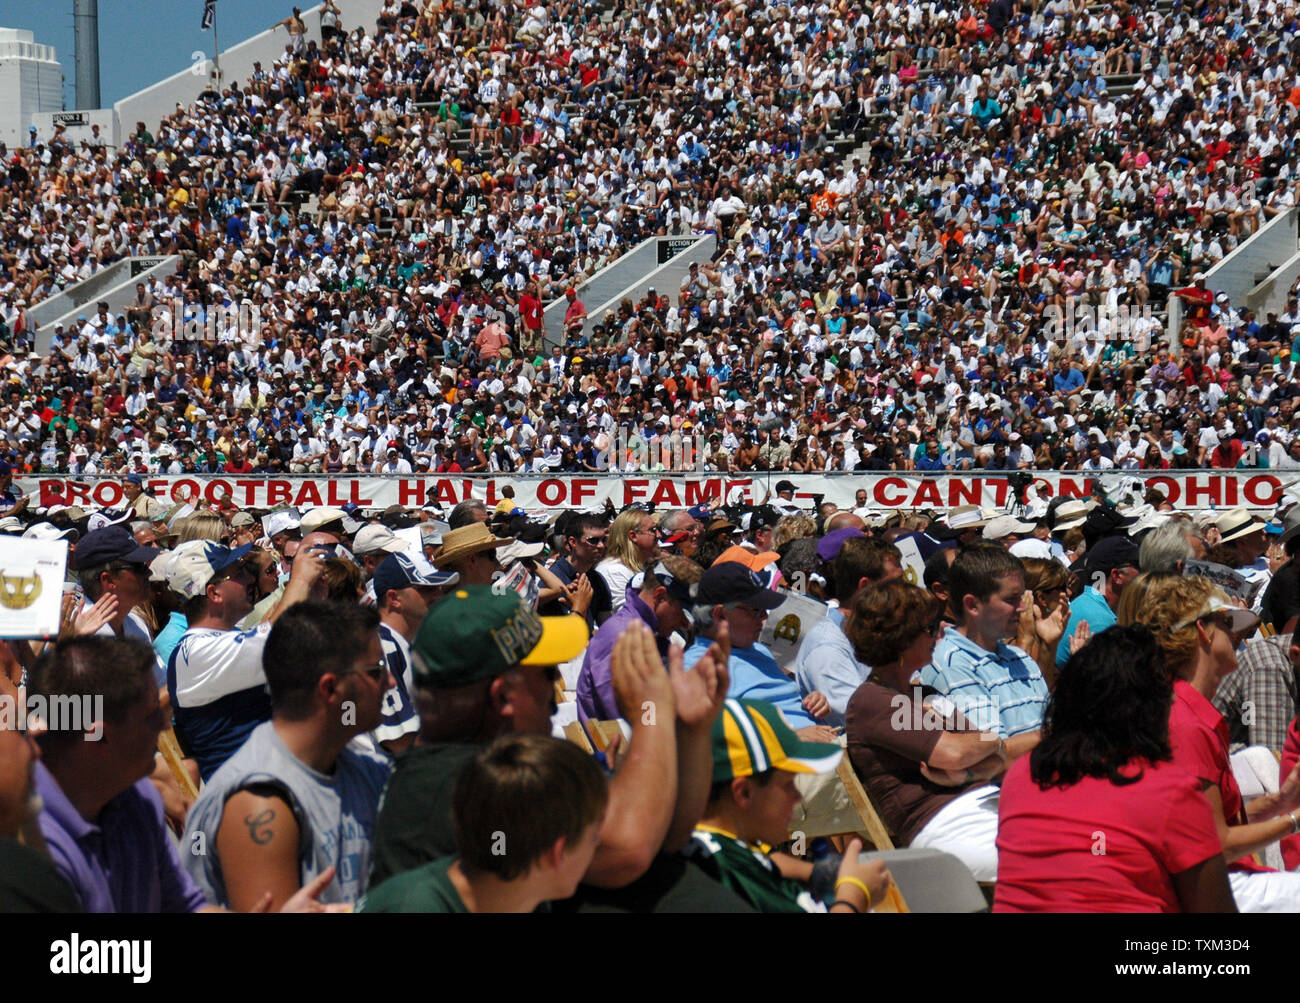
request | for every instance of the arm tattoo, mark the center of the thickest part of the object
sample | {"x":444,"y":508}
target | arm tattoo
{"x":259,"y":826}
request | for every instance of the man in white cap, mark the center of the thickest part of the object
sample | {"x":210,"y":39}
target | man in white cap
{"x":1008,"y":530}
{"x":215,"y":675}
{"x":280,"y":527}
{"x":394,"y":462}
{"x":325,"y":519}
{"x":968,"y":522}
{"x":371,"y":546}
{"x":1069,"y":515}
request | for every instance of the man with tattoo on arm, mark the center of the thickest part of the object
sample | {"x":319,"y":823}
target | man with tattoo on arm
{"x":296,"y":801}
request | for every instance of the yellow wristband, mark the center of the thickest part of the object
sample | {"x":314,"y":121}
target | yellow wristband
{"x":858,"y":882}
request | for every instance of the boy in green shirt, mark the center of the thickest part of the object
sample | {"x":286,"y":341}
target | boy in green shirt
{"x":527,"y":814}
{"x":756,"y":757}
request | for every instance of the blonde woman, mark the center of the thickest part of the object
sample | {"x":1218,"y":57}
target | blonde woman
{"x":1135,"y":593}
{"x":793,"y":527}
{"x":632,"y":545}
{"x":203,"y":525}
{"x":1199,"y":630}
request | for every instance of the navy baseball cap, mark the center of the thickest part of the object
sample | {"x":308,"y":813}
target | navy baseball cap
{"x":677,"y":588}
{"x":112,"y":543}
{"x":1112,"y":552}
{"x":135,"y":479}
{"x":731,"y":582}
{"x":399,"y":571}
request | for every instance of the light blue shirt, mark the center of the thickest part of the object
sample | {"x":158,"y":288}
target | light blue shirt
{"x":756,"y":676}
{"x":1001,"y":691}
{"x":826,"y":663}
{"x":166,"y":641}
{"x":1090,"y":606}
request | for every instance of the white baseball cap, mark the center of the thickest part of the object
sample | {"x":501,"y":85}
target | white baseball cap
{"x":376,"y":537}
{"x":195,"y":562}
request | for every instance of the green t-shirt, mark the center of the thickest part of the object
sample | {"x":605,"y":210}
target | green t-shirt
{"x":414,"y":825}
{"x":414,"y":830}
{"x":425,"y":889}
{"x":748,"y":871}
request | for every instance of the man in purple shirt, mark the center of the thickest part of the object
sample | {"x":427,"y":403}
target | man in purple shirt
{"x":1165,"y":372}
{"x":662,"y":604}
{"x":102,"y":819}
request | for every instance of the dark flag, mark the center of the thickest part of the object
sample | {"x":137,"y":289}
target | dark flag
{"x":209,"y":12}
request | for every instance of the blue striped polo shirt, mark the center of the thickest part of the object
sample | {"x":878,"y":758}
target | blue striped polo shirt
{"x":1001,"y":691}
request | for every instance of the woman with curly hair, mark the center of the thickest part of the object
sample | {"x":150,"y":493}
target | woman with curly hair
{"x":793,"y":527}
{"x":925,"y":767}
{"x":1199,"y":630}
{"x":1098,"y":817}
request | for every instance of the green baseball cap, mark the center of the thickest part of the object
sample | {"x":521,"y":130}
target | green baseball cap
{"x":476,"y":633}
{"x":751,"y":736}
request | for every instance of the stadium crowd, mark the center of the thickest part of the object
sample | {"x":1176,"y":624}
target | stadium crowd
{"x":396,"y":204}
{"x":337,"y":709}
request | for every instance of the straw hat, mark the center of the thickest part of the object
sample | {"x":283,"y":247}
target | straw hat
{"x":968,"y":517}
{"x":1236,"y":524}
{"x":467,"y":541}
{"x":1071,"y":515}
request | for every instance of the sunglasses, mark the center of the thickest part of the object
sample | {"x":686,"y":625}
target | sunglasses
{"x":1224,"y":623}
{"x":244,"y":567}
{"x":376,"y":672}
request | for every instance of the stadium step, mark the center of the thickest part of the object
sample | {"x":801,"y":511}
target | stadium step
{"x":1120,"y":84}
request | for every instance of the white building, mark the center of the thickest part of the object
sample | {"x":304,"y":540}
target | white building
{"x":31,"y":81}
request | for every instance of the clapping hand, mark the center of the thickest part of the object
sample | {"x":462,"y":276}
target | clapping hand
{"x":1289,"y":795}
{"x":304,"y":899}
{"x":86,"y":621}
{"x":1050,"y":628}
{"x":578,"y":594}
{"x":638,"y":675}
{"x":1081,"y":636}
{"x":701,"y":691}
